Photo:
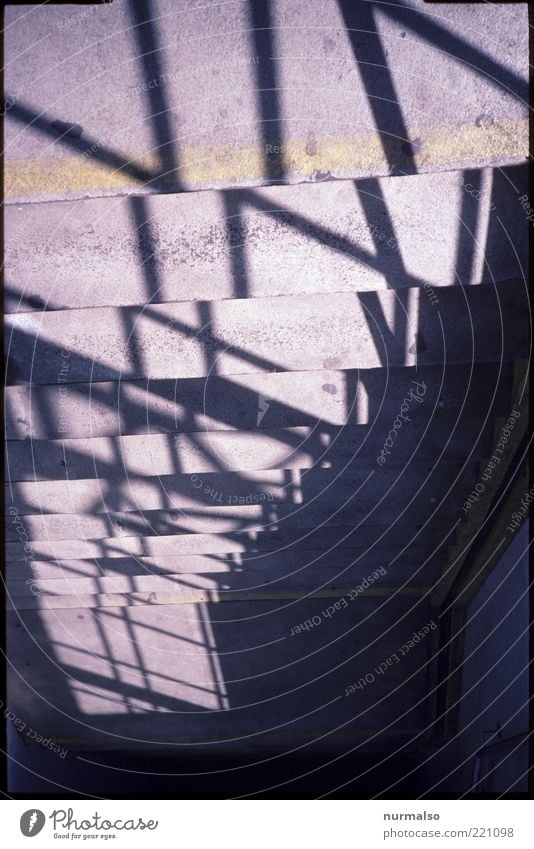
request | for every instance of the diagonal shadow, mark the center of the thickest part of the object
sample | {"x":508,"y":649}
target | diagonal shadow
{"x":467,"y":226}
{"x":146,"y":36}
{"x":389,"y":122}
{"x":105,"y":155}
{"x":267,"y":89}
{"x":374,"y":206}
{"x":322,"y":235}
{"x":378,"y":84}
{"x":453,"y":45}
{"x":236,"y":242}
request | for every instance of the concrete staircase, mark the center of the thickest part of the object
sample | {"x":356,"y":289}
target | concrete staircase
{"x":238,"y":508}
{"x":242,"y":424}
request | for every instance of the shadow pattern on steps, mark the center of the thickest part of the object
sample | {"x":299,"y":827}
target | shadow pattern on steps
{"x":206,"y":674}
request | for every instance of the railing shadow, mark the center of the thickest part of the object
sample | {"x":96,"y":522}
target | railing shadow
{"x":131,"y":659}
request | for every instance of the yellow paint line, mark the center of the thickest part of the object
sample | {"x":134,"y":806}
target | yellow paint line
{"x":204,"y":167}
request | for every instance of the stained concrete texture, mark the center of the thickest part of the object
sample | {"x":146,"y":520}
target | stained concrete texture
{"x":274,"y":563}
{"x":240,"y":546}
{"x":317,"y":399}
{"x":458,"y":227}
{"x":354,"y":483}
{"x":162,"y":95}
{"x":359,"y":330}
{"x":179,"y":691}
{"x":287,"y":448}
{"x":243,"y":422}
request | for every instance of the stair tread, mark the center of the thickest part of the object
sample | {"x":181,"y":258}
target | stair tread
{"x":310,"y":399}
{"x":367,"y":234}
{"x":417,"y":564}
{"x":333,"y":488}
{"x":214,"y":128}
{"x":350,"y":330}
{"x":429,"y":434}
{"x":240,"y":676}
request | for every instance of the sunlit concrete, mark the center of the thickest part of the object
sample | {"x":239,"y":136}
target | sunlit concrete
{"x":243,"y":94}
{"x":371,"y":235}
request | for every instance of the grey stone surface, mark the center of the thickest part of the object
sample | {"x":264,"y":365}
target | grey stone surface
{"x":356,"y":483}
{"x":439,"y":229}
{"x":264,"y":565}
{"x":238,"y":545}
{"x":236,"y":677}
{"x":356,"y":330}
{"x":246,"y":94}
{"x":279,"y":399}
{"x":287,"y":448}
{"x":309,"y":529}
{"x":306,"y":581}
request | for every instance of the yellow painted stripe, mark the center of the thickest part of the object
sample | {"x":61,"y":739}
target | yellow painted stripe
{"x":207,"y":166}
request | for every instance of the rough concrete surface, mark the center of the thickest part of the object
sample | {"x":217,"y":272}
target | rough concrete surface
{"x":374,"y":234}
{"x":180,"y":95}
{"x":236,"y":411}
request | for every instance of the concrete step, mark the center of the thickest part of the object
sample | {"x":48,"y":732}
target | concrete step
{"x":349,"y":330}
{"x":339,"y":486}
{"x":330,"y":508}
{"x":437,"y":503}
{"x":243,"y":402}
{"x":265,"y":564}
{"x":254,"y":586}
{"x":213,"y":451}
{"x":74,"y":548}
{"x":203,"y":519}
{"x":420,"y":564}
{"x":204,"y":591}
{"x":249,"y":94}
{"x":217,"y":671}
{"x":370,"y":235}
{"x":153,"y":552}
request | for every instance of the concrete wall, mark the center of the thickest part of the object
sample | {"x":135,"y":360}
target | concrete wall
{"x":495,"y":674}
{"x":495,"y":683}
